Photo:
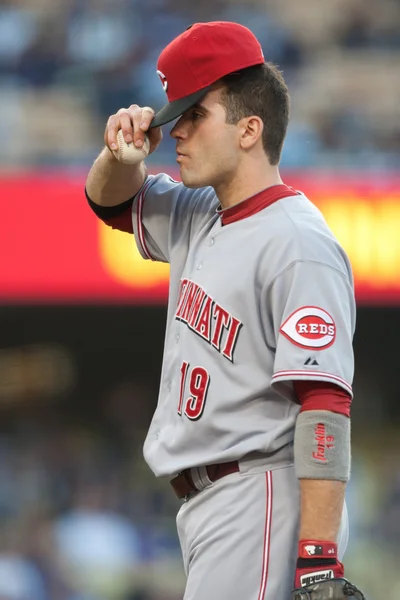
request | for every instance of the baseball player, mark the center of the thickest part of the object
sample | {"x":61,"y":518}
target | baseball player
{"x":252,"y":426}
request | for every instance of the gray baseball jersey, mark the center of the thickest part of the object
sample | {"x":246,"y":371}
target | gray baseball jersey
{"x":261,"y":294}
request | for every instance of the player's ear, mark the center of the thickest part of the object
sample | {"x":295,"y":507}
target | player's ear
{"x":251,"y":129}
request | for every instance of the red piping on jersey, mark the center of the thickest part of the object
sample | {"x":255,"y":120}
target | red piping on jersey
{"x":140,"y":227}
{"x":311,"y":376}
{"x":254,"y":204}
{"x":267,"y":537}
{"x":318,"y":395}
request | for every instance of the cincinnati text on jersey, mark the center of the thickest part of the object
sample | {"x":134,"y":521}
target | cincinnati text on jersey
{"x":207,"y":318}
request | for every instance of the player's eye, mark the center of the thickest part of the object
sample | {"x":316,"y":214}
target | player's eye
{"x":196,"y":115}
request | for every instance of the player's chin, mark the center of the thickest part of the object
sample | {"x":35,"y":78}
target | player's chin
{"x":192,"y":179}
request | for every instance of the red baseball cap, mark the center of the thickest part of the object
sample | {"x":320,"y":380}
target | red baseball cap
{"x":197,"y":58}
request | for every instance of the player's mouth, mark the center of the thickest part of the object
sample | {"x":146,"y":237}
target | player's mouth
{"x":179,"y":154}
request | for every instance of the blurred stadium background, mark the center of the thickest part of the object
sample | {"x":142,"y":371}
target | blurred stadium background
{"x":82,"y":316}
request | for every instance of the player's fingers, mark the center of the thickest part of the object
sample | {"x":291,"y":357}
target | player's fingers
{"x":121,"y":120}
{"x":134,"y":123}
{"x":141,"y":119}
{"x":155,"y":136}
{"x":127,"y":125}
{"x":146,"y":117}
{"x":110,"y":133}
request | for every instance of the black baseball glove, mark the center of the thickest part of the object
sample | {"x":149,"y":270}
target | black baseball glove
{"x":330,"y":589}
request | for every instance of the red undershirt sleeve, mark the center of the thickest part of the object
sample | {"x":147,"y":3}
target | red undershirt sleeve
{"x":317,"y":395}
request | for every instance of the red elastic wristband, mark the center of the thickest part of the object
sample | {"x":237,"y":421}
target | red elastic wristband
{"x":317,"y":549}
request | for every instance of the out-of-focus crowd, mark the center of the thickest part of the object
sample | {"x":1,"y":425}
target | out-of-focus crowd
{"x":81,"y":516}
{"x":65,"y":66}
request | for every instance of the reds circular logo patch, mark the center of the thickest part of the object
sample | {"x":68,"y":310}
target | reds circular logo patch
{"x":310,"y":327}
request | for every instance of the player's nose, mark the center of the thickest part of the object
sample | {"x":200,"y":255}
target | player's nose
{"x":179,"y":130}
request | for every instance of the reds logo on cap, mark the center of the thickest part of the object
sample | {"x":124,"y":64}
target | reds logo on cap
{"x":164,"y":81}
{"x":310,"y":327}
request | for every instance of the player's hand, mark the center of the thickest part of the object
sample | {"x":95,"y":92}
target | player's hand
{"x":134,"y":122}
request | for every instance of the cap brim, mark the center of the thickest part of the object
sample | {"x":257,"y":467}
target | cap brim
{"x":175,"y":109}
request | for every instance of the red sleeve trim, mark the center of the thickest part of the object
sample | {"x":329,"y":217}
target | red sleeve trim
{"x":310,"y":376}
{"x":123,"y":221}
{"x":317,"y":395}
{"x":141,"y":235}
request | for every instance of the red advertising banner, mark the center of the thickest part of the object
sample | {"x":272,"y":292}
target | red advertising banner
{"x":54,"y":249}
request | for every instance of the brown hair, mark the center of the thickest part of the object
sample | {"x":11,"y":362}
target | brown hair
{"x":261,"y":91}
